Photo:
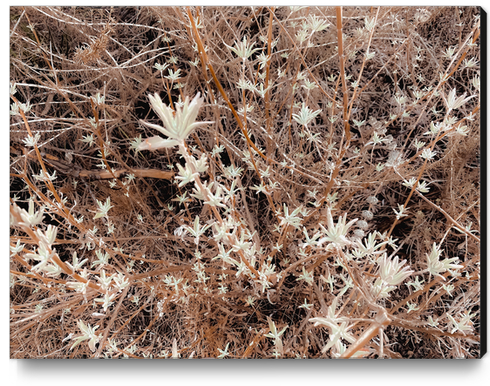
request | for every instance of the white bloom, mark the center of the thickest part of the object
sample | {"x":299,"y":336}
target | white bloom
{"x":178,"y":124}
{"x":401,"y":211}
{"x":464,"y":325}
{"x":428,"y":154}
{"x":393,"y":272}
{"x":291,"y":219}
{"x":32,"y":141}
{"x":453,"y":102}
{"x":337,"y":325}
{"x":435,"y":266}
{"x":243,"y":49}
{"x":30,"y":217}
{"x":306,"y":115}
{"x":104,"y":208}
{"x":157,"y":142}
{"x":336,"y":233}
{"x":88,"y":333}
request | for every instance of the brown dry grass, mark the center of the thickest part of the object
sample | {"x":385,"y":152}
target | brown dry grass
{"x":63,"y":58}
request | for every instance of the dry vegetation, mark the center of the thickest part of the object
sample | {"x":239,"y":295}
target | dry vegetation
{"x":328,"y":206}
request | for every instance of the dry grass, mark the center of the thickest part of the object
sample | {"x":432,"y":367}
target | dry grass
{"x":331,"y":114}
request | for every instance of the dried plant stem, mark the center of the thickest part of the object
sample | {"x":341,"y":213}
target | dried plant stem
{"x":345,"y":95}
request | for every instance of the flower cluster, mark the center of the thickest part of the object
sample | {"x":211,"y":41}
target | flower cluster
{"x":178,"y":124}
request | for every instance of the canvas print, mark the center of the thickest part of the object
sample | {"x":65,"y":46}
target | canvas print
{"x":245,"y":182}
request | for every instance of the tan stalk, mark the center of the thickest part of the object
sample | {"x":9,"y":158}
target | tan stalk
{"x":345,"y":94}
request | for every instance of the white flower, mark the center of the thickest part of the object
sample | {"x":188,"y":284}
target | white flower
{"x":276,"y":335}
{"x":178,"y":124}
{"x":369,"y":23}
{"x":197,"y":231}
{"x":462,"y":130}
{"x":17,"y":248}
{"x":32,"y":141}
{"x":43,"y":255}
{"x":243,"y":49}
{"x":401,"y":211}
{"x":161,"y":67}
{"x":103,"y":258}
{"x":106,"y":300}
{"x":12,"y":88}
{"x":306,"y":276}
{"x":30,"y":217}
{"x":422,"y":187}
{"x":306,"y":305}
{"x":370,"y":247}
{"x":410,"y":183}
{"x":88,"y":333}
{"x":393,"y":272}
{"x":186,"y":175}
{"x":428,"y":154}
{"x":315,"y":23}
{"x":337,"y":325}
{"x":173,"y":76}
{"x":290,"y":219}
{"x":306,"y":115}
{"x":453,"y":103}
{"x":336,"y":233}
{"x":48,"y":237}
{"x":464,"y":325}
{"x":435,"y":267}
{"x":224,"y":352}
{"x":103,"y":208}
{"x":157,"y":142}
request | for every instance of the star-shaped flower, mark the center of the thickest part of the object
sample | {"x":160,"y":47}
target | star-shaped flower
{"x":178,"y":124}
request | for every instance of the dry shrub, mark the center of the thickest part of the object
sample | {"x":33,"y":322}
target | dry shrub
{"x":331,"y":208}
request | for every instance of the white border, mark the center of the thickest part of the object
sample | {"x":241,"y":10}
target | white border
{"x":203,"y":372}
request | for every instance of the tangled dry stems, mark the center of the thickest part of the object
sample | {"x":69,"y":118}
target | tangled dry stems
{"x":317,"y":113}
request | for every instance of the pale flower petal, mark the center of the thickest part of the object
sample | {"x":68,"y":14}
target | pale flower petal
{"x":154,"y":143}
{"x":178,"y":124}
